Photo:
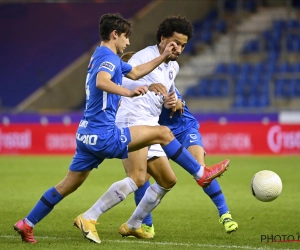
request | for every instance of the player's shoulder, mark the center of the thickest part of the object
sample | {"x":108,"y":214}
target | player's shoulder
{"x":146,"y":54}
{"x":104,"y":53}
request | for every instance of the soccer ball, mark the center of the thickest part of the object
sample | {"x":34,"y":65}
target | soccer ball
{"x":266,"y":185}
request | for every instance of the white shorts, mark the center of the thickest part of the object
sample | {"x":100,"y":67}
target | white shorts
{"x":154,"y":150}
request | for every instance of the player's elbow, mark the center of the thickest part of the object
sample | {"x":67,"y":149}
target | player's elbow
{"x":99,"y":85}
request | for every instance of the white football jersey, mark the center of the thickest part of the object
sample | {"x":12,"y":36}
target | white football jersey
{"x":147,"y":108}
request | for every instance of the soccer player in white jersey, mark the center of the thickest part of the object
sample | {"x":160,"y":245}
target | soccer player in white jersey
{"x":146,"y":110}
{"x":98,"y":138}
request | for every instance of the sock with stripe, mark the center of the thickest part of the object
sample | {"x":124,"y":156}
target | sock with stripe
{"x":175,"y":151}
{"x":215,"y":193}
{"x":43,"y":207}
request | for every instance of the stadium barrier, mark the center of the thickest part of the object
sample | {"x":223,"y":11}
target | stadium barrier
{"x":243,"y":138}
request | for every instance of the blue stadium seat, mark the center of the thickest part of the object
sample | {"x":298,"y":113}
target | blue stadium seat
{"x":220,"y":26}
{"x":283,"y":88}
{"x":221,"y":68}
{"x":239,"y":101}
{"x":296,"y":88}
{"x":263,"y":101}
{"x":246,"y":68}
{"x":206,"y":36}
{"x":279,"y":24}
{"x":262,"y":88}
{"x":283,"y":67}
{"x":222,"y":87}
{"x":233,"y":69}
{"x":252,"y":101}
{"x":296,"y":67}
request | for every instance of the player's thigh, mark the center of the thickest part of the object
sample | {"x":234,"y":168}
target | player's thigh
{"x":160,"y":169}
{"x":143,"y":136}
{"x":136,"y":166}
{"x":198,"y":153}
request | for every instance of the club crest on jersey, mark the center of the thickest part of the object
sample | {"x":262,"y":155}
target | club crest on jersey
{"x":171,"y":75}
{"x":107,"y":65}
{"x":159,"y":68}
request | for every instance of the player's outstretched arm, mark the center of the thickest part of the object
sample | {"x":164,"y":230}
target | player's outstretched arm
{"x":104,"y":83}
{"x":157,"y":88}
{"x":144,"y":69}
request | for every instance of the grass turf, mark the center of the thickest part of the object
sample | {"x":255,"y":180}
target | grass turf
{"x":186,"y":218}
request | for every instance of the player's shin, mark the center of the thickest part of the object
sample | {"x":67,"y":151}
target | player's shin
{"x":44,"y":206}
{"x":138,"y":196}
{"x":175,"y":151}
{"x":215,"y":193}
{"x":114,"y":195}
{"x":151,"y":199}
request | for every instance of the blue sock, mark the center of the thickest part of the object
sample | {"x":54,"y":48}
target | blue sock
{"x":215,"y":193}
{"x":138,"y":195}
{"x":44,"y":206}
{"x":175,"y":151}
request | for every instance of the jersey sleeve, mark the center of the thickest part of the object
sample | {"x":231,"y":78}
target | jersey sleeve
{"x":126,"y":68}
{"x":109,"y":64}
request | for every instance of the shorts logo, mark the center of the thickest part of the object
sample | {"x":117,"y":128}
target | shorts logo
{"x":107,"y":65}
{"x":123,"y":138}
{"x":193,"y":137}
{"x":171,"y":75}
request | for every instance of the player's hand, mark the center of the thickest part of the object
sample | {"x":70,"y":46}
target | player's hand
{"x":178,"y":107}
{"x":170,"y":100}
{"x":171,"y":47}
{"x":158,"y":88}
{"x":140,"y":90}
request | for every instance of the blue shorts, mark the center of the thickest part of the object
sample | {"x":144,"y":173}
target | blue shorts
{"x":91,"y":150}
{"x":190,"y":137}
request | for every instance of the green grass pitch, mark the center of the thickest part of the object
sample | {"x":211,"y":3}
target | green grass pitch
{"x":185,"y":219}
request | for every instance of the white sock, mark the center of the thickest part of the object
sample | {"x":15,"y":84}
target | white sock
{"x":151,"y":199}
{"x":29,"y":223}
{"x":113,"y":196}
{"x":199,"y":174}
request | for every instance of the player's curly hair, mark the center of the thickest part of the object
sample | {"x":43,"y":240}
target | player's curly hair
{"x":109,"y":22}
{"x":170,"y":24}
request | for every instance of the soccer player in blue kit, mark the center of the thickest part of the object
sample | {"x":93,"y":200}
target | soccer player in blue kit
{"x":185,"y":128}
{"x":98,"y":137}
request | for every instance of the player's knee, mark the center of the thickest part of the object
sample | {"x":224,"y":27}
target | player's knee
{"x":139,"y":181}
{"x":166,"y":134}
{"x":169,"y":183}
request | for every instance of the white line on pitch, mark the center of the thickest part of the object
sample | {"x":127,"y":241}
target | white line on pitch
{"x":160,"y":243}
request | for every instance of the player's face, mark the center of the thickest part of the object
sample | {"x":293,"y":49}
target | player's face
{"x":122,"y":43}
{"x":179,"y":39}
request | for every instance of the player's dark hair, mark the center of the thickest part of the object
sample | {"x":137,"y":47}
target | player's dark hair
{"x":172,"y":24}
{"x":110,"y":22}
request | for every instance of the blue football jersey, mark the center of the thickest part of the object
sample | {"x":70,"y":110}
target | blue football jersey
{"x":101,"y":107}
{"x":178,"y":124}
